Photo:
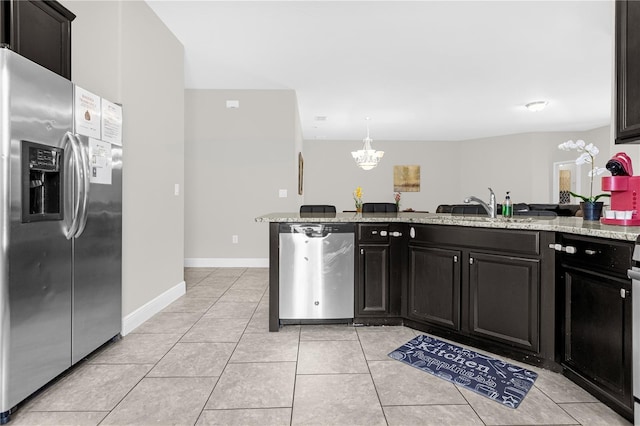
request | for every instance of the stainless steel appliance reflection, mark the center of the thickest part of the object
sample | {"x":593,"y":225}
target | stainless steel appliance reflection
{"x":316,"y":271}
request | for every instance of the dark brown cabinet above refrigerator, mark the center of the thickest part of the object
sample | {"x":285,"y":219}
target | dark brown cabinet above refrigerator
{"x":38,"y":30}
{"x":627,"y":72}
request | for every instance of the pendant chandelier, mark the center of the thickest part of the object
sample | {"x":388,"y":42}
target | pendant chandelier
{"x":367,"y":158}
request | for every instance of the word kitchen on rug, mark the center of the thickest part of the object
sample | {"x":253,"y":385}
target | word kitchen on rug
{"x":501,"y":381}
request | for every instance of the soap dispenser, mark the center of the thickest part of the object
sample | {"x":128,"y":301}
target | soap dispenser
{"x":507,"y":206}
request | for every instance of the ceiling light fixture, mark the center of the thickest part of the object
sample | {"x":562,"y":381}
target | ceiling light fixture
{"x":367,"y":158}
{"x":536,"y":106}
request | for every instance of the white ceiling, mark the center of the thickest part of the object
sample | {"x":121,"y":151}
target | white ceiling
{"x":422,"y":70}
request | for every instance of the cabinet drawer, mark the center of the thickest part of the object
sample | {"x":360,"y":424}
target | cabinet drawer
{"x":510,"y":241}
{"x":373,"y":233}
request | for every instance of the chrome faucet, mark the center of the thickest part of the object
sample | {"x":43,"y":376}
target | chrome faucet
{"x":490,"y":208}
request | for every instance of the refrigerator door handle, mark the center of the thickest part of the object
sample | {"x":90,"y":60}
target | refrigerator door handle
{"x":84,"y":191}
{"x":70,"y":144}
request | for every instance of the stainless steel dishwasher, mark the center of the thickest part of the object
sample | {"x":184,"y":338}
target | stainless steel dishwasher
{"x":316,"y":271}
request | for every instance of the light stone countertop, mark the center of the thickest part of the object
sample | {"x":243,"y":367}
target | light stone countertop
{"x":569,"y":225}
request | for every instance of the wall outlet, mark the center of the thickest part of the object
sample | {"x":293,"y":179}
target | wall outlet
{"x":234,"y":239}
{"x":282,"y":193}
{"x":176,"y":189}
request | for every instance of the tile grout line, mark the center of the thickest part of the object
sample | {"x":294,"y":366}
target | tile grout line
{"x":230,"y":355}
{"x":234,"y":348}
{"x":163,"y":356}
{"x":295,"y":377}
{"x":375,"y":387}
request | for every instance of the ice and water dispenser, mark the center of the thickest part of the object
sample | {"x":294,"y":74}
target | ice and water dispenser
{"x":42,"y":182}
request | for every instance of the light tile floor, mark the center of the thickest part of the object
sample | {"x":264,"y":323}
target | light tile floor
{"x":208,"y":359}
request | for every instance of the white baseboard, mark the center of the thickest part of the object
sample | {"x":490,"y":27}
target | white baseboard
{"x":200,"y":262}
{"x":149,"y":309}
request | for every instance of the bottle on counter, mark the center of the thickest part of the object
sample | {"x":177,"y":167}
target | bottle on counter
{"x":507,"y":206}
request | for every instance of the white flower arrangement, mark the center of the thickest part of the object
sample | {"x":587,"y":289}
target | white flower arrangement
{"x":587,"y":157}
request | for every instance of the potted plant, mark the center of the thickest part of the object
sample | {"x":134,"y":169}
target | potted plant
{"x":357,"y":197}
{"x":591,"y":207}
{"x":396,"y":197}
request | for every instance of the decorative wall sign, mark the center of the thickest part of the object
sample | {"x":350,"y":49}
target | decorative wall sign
{"x":406,"y":178}
{"x":300,"y":173}
{"x":566,"y":177}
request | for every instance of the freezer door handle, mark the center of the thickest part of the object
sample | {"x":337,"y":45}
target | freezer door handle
{"x":71,"y":146}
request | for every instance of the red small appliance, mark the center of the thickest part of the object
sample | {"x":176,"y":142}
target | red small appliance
{"x":624,"y":188}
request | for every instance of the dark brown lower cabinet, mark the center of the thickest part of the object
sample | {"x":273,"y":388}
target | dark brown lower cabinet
{"x":373,"y":294}
{"x":504,"y":299}
{"x":490,"y":288}
{"x":381,"y":253}
{"x":597,"y":337}
{"x":434,"y":286}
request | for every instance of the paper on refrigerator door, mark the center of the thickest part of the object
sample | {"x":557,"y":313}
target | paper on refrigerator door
{"x":111,"y":122}
{"x":99,"y":162}
{"x":87,"y":113}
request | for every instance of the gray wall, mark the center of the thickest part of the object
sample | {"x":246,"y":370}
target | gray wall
{"x":449,"y":171}
{"x":123,"y":52}
{"x":236,"y":161}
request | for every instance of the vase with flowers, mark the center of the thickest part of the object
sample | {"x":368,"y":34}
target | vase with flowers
{"x":591,"y":207}
{"x":396,"y":197}
{"x":357,"y":197}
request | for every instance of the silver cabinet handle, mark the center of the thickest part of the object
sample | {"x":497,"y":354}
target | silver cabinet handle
{"x":412,"y":232}
{"x":571,"y":250}
{"x":590,"y":252}
{"x":623,"y":293}
{"x":634,"y":275}
{"x":471,"y":261}
{"x":455,"y":259}
{"x":382,"y":233}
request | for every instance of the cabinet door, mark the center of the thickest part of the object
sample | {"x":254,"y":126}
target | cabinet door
{"x":373,"y":281}
{"x":597,"y":332}
{"x":434,"y":286}
{"x":504,"y":299}
{"x":40,"y":31}
{"x":628,"y":71}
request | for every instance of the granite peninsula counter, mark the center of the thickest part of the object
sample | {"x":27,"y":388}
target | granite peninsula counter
{"x":529,"y":288}
{"x":569,"y":225}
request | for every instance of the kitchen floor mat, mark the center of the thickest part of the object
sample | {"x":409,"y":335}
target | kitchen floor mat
{"x":505,"y":383}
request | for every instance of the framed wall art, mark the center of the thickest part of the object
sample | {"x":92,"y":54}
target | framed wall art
{"x":406,"y":178}
{"x":300,"y":173}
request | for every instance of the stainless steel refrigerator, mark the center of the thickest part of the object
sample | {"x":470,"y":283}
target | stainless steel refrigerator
{"x":60,"y":233}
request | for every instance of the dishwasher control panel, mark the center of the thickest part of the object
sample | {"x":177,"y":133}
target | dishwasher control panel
{"x":316,"y":230}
